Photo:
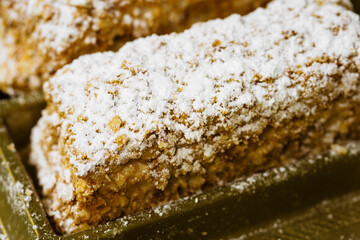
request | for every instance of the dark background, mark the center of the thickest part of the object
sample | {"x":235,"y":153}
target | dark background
{"x":357,"y":5}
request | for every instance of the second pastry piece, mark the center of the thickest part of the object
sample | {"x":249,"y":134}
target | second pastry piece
{"x":41,"y":36}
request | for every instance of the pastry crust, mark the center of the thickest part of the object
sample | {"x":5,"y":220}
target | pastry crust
{"x":167,"y":116}
{"x":47,"y":34}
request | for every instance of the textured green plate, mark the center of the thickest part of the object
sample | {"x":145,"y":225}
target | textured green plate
{"x":276,"y":204}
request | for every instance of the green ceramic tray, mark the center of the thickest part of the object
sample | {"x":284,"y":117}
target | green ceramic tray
{"x":276,"y":204}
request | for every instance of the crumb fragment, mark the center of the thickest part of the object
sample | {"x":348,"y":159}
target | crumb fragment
{"x":338,"y":149}
{"x":115,"y":123}
{"x":11,"y":147}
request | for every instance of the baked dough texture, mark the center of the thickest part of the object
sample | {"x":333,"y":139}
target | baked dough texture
{"x":168,"y":116}
{"x":41,"y":36}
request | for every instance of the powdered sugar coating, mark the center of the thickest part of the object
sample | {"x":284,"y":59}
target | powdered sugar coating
{"x":213,"y":85}
{"x":61,"y":22}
